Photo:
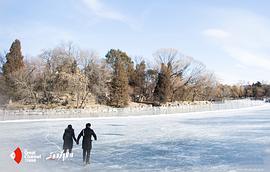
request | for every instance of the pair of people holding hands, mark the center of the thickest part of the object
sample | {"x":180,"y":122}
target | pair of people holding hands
{"x":87,"y":133}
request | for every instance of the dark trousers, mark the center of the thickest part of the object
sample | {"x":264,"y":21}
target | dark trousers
{"x":86,"y":155}
{"x":70,"y":150}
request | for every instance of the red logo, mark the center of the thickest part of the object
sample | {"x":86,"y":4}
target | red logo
{"x":16,"y":155}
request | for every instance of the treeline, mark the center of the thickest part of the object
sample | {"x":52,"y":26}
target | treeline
{"x":72,"y":77}
{"x":256,"y":90}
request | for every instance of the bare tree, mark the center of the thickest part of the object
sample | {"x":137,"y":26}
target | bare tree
{"x":2,"y":62}
{"x":166,"y":56}
{"x":61,"y":59}
{"x":24,"y":82}
{"x":3,"y":95}
{"x":69,"y":68}
{"x":97,"y":73}
{"x":186,"y":73}
{"x":150,"y":83}
{"x":86,"y":57}
{"x":203,"y":88}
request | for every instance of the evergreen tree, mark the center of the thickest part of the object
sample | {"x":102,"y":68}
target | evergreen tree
{"x":258,"y":91}
{"x":14,"y":63}
{"x":119,"y":86}
{"x":14,"y":59}
{"x":114,"y":56}
{"x":139,"y":81}
{"x":122,"y":67}
{"x":163,"y":87}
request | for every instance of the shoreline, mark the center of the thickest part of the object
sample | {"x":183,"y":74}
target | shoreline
{"x":197,"y":114}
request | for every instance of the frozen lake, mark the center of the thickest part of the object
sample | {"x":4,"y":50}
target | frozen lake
{"x":231,"y":141}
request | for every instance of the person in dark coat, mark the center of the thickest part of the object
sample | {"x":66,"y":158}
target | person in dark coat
{"x":87,"y":134}
{"x":67,"y":137}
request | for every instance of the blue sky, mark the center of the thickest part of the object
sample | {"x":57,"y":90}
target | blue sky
{"x":232,"y":38}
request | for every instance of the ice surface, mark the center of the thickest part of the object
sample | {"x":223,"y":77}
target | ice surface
{"x":232,"y":140}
